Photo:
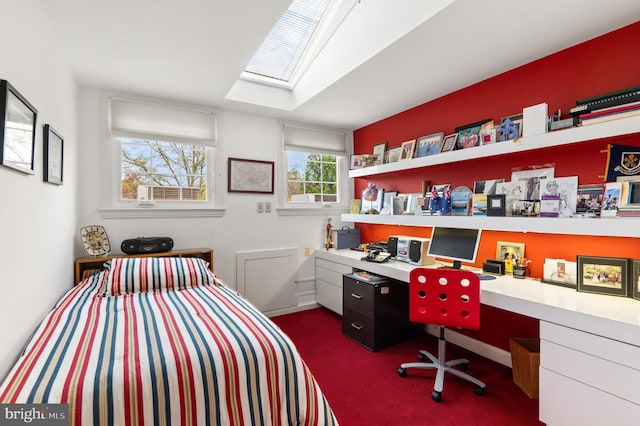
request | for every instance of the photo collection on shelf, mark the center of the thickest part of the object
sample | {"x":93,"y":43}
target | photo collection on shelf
{"x":531,"y":191}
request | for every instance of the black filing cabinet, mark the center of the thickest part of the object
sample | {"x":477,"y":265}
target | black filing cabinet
{"x":375,"y":311}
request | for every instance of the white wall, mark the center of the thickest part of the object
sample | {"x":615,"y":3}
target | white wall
{"x":240,"y":229}
{"x":37,"y":219}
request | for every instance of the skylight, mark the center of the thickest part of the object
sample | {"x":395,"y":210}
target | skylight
{"x":283,"y":49}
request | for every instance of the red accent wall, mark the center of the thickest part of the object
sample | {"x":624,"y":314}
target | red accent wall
{"x":598,"y":66}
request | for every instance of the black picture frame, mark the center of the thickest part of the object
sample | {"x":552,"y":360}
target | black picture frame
{"x":471,"y":127}
{"x":634,"y":279}
{"x":496,"y":205}
{"x":18,"y":119}
{"x":53,"y":155}
{"x":250,"y":176}
{"x":595,"y":275}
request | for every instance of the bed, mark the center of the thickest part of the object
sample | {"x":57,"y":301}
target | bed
{"x":164,"y":341}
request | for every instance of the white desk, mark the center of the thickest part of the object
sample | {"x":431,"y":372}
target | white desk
{"x":590,"y":344}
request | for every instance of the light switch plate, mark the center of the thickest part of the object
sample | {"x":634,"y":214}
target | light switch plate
{"x":260,"y":207}
{"x":267,"y":206}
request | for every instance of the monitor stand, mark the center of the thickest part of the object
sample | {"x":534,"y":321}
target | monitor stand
{"x":456,"y":265}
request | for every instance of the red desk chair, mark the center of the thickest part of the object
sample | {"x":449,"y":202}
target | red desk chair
{"x":447,"y":298}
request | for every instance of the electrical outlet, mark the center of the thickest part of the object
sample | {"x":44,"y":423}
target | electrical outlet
{"x":267,"y":206}
{"x":307,"y":251}
{"x":260,"y":207}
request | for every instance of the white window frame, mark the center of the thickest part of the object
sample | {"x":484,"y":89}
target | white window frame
{"x":112,"y":206}
{"x":345,"y":189}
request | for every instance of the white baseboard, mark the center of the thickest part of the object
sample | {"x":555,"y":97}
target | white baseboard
{"x":488,"y":351}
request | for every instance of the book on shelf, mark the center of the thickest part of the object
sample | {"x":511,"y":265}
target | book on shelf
{"x":610,"y":117}
{"x":611,"y":110}
{"x":619,"y":97}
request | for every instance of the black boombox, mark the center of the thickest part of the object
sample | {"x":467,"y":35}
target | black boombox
{"x":146,"y":245}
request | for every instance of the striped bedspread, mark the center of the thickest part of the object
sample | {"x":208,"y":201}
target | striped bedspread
{"x":197,"y":356}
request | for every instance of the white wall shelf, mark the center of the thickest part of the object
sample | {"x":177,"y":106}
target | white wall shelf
{"x":611,"y":227}
{"x":608,"y":227}
{"x":573,"y":135}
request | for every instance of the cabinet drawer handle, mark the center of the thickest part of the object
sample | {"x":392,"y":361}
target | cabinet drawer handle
{"x":356,"y":326}
{"x":356,"y":295}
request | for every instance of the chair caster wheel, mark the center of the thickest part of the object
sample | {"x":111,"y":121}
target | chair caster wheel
{"x":436,"y":396}
{"x":479,"y":390}
{"x":422,"y":357}
{"x":402,"y":372}
{"x":464,"y":366}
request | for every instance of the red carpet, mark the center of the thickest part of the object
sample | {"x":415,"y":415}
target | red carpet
{"x":364,"y":388}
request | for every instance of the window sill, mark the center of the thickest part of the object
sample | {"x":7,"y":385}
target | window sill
{"x":310,"y":211}
{"x":155,"y":212}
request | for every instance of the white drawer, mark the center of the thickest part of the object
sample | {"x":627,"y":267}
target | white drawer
{"x":333,"y":266}
{"x":603,"y":374}
{"x":567,"y":402}
{"x":329,"y":295}
{"x":598,"y":346}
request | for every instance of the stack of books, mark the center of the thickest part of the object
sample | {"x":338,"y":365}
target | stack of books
{"x":610,"y":106}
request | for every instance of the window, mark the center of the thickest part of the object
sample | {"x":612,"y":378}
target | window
{"x":162,"y":155}
{"x":316,"y":162}
{"x":296,"y":40}
{"x":311,"y":177}
{"x":156,"y":170}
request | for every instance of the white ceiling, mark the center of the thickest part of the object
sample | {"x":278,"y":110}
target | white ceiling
{"x":404,"y":52}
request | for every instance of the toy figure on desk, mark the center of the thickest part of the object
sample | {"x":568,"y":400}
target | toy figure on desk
{"x":329,"y":243}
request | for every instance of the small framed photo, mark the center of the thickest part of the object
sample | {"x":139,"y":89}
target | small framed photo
{"x":449,"y":143}
{"x":560,"y":272}
{"x":406,"y":149}
{"x":357,"y":161}
{"x":634,"y":287}
{"x":380,"y":149}
{"x":496,"y":205}
{"x":510,"y":253}
{"x":603,"y":275}
{"x":17,"y":129}
{"x":393,"y":155}
{"x":250,"y":176}
{"x":429,"y":145}
{"x":53,"y":145}
{"x":469,"y":134}
{"x":510,"y":128}
{"x":589,"y":199}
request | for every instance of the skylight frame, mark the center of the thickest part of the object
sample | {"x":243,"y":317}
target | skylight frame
{"x":334,"y":14}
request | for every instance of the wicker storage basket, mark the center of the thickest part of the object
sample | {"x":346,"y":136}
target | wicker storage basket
{"x":525,"y":363}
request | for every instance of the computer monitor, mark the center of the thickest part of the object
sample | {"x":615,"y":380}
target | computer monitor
{"x":456,"y":244}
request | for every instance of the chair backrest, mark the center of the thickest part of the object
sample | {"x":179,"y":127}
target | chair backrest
{"x":448,"y":297}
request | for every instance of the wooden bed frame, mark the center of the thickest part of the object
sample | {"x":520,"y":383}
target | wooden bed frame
{"x":88,"y":264}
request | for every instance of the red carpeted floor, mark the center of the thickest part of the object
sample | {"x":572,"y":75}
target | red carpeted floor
{"x":364,"y":388}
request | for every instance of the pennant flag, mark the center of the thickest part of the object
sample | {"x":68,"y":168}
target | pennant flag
{"x":622,"y":161}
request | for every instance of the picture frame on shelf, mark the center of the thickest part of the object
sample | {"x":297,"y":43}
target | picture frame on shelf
{"x":372,"y":160}
{"x":510,"y":128}
{"x":487,"y":133}
{"x":53,"y":151}
{"x":250,"y":176}
{"x":18,"y":119}
{"x":560,"y":272}
{"x":387,"y":203}
{"x":611,"y":199}
{"x":357,"y":161}
{"x":603,"y":275}
{"x":380,"y":149}
{"x":429,"y":145}
{"x":469,"y":134}
{"x":407,"y":149}
{"x":449,"y":142}
{"x":589,"y":199}
{"x":509,"y":253}
{"x":634,"y":279}
{"x":495,"y":205}
{"x":393,"y":155}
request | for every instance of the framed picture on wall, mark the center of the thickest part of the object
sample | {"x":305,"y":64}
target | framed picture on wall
{"x":17,"y":129}
{"x":250,"y":176}
{"x":53,"y":145}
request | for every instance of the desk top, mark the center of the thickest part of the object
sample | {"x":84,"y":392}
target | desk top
{"x":608,"y":316}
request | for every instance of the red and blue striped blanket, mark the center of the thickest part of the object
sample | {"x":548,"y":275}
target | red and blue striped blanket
{"x":200,"y":355}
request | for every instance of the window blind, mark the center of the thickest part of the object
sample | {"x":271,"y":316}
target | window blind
{"x":132,"y":118}
{"x":305,"y":139}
